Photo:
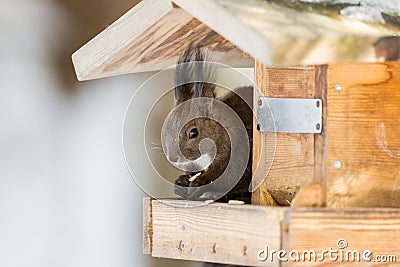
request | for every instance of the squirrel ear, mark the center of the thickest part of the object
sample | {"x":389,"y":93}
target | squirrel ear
{"x":184,"y":74}
{"x":194,"y":76}
{"x":183,"y":92}
{"x":204,"y":75}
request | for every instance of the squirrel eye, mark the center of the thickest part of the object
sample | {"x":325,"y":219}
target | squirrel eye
{"x":193,"y":133}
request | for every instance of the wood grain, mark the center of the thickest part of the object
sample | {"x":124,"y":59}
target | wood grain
{"x":147,"y":225}
{"x":293,"y":161}
{"x":222,"y":233}
{"x":320,"y":140}
{"x":150,"y":37}
{"x":363,"y":123}
{"x":233,"y":234}
{"x":377,"y":230}
{"x":310,"y":195}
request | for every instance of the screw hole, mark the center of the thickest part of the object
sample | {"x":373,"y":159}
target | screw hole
{"x":258,"y":127}
{"x":318,"y":126}
{"x":317,"y":104}
{"x":260,"y":102}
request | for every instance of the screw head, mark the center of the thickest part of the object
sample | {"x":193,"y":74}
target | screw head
{"x":245,"y":250}
{"x":337,"y":164}
{"x":182,"y":245}
{"x":215,"y":248}
{"x":338,"y":88}
{"x":260,"y":102}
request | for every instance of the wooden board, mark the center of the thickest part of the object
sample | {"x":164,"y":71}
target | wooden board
{"x":377,"y":230}
{"x":223,"y":233}
{"x":363,"y":127}
{"x":235,"y":234}
{"x":150,"y":37}
{"x":298,"y":158}
{"x":286,"y":33}
{"x":147,"y":225}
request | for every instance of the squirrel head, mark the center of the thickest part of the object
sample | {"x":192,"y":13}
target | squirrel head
{"x":192,"y":139}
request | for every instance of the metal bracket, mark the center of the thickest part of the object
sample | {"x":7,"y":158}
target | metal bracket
{"x":289,"y":115}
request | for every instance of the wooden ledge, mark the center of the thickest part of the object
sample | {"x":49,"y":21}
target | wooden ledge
{"x":234,"y":234}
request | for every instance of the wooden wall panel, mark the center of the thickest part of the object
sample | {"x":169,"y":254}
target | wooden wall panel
{"x":294,"y":161}
{"x":363,"y":134}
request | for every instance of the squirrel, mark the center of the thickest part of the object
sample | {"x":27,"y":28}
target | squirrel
{"x":189,"y":137}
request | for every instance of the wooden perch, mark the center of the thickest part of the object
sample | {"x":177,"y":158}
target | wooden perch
{"x":235,"y":234}
{"x":214,"y":233}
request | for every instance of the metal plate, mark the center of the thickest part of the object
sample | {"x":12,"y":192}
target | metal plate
{"x":289,"y":115}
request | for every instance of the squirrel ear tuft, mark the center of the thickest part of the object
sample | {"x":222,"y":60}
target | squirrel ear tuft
{"x":193,"y":75}
{"x":183,"y":92}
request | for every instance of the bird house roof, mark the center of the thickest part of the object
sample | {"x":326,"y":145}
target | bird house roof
{"x":154,"y":33}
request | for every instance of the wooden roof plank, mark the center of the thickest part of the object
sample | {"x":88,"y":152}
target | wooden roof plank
{"x":277,"y":34}
{"x":150,"y":37}
{"x":154,"y":33}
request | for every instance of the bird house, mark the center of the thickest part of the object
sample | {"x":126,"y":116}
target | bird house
{"x":328,"y":71}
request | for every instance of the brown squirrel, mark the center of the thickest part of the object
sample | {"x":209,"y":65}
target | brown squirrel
{"x":191,"y":184}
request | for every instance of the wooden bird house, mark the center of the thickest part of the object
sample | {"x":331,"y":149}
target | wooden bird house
{"x":328,"y":64}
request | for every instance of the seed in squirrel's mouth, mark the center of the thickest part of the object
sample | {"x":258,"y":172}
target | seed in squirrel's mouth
{"x":191,"y":179}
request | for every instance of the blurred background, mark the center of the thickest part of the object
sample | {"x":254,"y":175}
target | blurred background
{"x":66,"y":196}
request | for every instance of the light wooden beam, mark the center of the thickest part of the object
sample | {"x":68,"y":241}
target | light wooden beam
{"x":235,"y":234}
{"x":150,"y":37}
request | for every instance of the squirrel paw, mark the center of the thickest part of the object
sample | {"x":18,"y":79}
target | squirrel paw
{"x":183,"y":181}
{"x":186,"y":188}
